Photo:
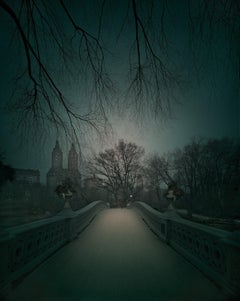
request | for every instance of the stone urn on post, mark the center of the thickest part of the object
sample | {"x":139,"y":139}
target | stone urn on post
{"x":173,"y":193}
{"x":65,"y":191}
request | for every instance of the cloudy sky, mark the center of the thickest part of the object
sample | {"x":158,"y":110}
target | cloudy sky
{"x":208,"y":99}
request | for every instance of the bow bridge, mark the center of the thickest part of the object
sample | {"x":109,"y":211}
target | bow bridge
{"x":135,"y":253}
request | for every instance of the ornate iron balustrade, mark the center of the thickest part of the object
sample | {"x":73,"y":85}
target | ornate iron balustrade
{"x":24,"y":247}
{"x":214,"y":251}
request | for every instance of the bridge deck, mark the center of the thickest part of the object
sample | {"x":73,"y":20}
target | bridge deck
{"x":116,"y":258}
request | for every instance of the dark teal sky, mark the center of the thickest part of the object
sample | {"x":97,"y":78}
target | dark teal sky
{"x":209,"y":102}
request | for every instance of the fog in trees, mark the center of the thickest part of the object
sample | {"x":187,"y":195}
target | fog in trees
{"x":119,"y":171}
{"x":129,"y":83}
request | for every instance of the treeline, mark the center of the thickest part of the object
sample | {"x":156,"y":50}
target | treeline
{"x":205,"y":175}
{"x":208,"y":172}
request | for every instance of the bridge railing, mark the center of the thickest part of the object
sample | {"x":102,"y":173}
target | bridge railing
{"x":24,"y":247}
{"x":214,"y":251}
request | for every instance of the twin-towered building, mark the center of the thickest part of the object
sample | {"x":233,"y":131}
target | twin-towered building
{"x":57,"y":174}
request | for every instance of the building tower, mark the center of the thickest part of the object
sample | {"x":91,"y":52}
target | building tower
{"x":57,"y":157}
{"x":73,"y":172}
{"x":72,"y":158}
{"x":55,"y":175}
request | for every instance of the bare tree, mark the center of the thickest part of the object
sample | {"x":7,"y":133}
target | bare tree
{"x":222,"y":170}
{"x":152,"y":80}
{"x":7,"y":173}
{"x":158,"y":173}
{"x":43,"y":99}
{"x":209,"y":173}
{"x":119,"y":170}
{"x":209,"y":20}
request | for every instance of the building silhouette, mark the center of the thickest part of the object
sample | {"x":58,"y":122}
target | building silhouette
{"x":30,"y":176}
{"x":57,"y":174}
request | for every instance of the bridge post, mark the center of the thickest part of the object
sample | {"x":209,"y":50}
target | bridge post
{"x":232,"y":249}
{"x":168,"y":231}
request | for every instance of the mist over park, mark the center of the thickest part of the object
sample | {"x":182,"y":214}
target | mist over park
{"x":124,"y":106}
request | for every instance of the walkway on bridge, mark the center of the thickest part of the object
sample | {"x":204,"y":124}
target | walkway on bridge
{"x":116,"y":257}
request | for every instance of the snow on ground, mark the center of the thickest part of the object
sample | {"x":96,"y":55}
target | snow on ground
{"x":116,"y":258}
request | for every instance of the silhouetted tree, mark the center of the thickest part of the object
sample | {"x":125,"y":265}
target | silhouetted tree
{"x":209,"y":173}
{"x":151,"y":76}
{"x":43,"y":99}
{"x":157,"y":173}
{"x":7,"y":173}
{"x":119,"y":170}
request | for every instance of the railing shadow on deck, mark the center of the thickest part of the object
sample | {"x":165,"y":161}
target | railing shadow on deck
{"x":24,"y":247}
{"x":213,"y":251}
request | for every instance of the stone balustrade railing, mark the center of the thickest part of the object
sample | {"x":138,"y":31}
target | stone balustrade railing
{"x":214,"y":251}
{"x":24,"y":247}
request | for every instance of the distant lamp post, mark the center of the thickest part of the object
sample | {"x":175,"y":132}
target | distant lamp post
{"x":130,"y":200}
